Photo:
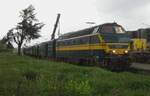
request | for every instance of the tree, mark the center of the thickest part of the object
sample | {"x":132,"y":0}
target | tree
{"x":27,"y":29}
{"x":7,"y":41}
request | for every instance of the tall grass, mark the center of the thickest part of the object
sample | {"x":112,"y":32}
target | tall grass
{"x":26,"y":76}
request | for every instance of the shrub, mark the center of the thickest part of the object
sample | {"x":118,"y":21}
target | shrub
{"x":31,"y":75}
{"x":78,"y":88}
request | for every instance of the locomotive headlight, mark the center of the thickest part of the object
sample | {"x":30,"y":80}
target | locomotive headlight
{"x":114,"y":51}
{"x":126,"y":51}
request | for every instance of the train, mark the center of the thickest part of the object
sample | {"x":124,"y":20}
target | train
{"x":140,"y":45}
{"x":106,"y":45}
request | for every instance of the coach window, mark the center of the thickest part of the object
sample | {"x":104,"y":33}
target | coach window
{"x":57,"y":44}
{"x":65,"y":43}
{"x":60,"y":43}
{"x":84,"y":40}
{"x":68,"y":42}
{"x":72,"y":41}
{"x":76,"y":41}
{"x":80,"y":41}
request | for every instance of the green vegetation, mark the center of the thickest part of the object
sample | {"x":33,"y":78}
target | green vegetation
{"x":26,"y":30}
{"x":26,"y":76}
{"x":4,"y":47}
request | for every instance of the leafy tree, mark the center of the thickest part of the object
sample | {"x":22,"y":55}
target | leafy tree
{"x":2,"y":46}
{"x":27,"y":29}
{"x":7,"y":40}
{"x":6,"y":43}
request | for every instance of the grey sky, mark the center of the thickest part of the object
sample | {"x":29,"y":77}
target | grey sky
{"x":74,"y":13}
{"x":131,"y":13}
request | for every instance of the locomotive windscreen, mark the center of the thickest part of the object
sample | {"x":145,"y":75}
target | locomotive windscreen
{"x":112,"y":29}
{"x":116,"y":38}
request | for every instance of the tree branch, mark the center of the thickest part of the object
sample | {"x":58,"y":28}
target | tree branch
{"x":16,"y":41}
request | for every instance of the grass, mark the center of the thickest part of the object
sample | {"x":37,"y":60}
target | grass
{"x":26,"y":76}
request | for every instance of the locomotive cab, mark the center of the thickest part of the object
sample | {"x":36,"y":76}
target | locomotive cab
{"x":115,"y":37}
{"x":117,"y":45}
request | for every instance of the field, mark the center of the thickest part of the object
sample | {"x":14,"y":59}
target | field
{"x":26,"y":76}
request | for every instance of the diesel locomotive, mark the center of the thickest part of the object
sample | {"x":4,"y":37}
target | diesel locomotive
{"x":106,"y":45}
{"x":140,"y":47}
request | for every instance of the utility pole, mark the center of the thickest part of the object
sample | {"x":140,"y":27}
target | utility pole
{"x":55,"y":26}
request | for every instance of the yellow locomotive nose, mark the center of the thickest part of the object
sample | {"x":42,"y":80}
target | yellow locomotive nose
{"x":118,"y":48}
{"x":119,"y":51}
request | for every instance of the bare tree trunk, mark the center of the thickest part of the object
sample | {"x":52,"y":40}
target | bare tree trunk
{"x":19,"y":49}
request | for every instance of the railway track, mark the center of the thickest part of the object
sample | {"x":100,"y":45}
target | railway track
{"x":140,"y":68}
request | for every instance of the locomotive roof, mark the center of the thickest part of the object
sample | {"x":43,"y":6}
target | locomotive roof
{"x":85,"y":31}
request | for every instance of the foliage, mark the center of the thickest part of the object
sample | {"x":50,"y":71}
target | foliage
{"x":78,"y":88}
{"x":26,"y":76}
{"x":27,"y":29}
{"x":5,"y":43}
{"x":5,"y":47}
{"x":31,"y":75}
{"x":2,"y":47}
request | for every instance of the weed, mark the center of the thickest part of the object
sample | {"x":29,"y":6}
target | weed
{"x":31,"y":75}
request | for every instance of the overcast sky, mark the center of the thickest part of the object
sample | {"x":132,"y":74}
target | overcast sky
{"x":131,"y":14}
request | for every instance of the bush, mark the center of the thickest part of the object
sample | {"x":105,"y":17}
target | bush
{"x":31,"y":75}
{"x":78,"y":88}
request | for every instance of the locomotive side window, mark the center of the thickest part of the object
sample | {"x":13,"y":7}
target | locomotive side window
{"x":94,"y":39}
{"x":85,"y":40}
{"x":107,"y":29}
{"x":96,"y":30}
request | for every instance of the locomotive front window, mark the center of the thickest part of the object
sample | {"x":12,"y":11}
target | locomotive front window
{"x":115,"y":38}
{"x":124,"y":39}
{"x":118,"y":46}
{"x":112,"y":29}
{"x":119,"y":29}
